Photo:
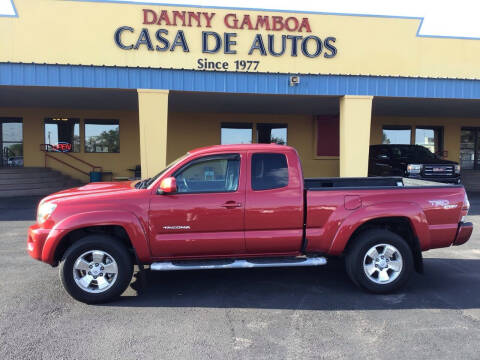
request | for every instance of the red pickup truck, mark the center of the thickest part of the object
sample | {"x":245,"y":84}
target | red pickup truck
{"x":244,"y":206}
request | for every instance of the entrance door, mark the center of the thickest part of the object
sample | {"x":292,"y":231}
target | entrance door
{"x":11,"y":142}
{"x":470,"y":149}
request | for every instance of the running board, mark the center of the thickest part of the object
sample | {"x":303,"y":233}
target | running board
{"x":237,"y":264}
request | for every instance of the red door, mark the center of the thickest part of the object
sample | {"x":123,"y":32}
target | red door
{"x":206,"y":216}
{"x":274,"y":204}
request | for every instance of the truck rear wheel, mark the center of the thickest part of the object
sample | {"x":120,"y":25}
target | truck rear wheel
{"x":379,"y":261}
{"x":96,"y":269}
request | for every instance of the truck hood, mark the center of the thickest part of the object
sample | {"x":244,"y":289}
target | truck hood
{"x":93,"y":188}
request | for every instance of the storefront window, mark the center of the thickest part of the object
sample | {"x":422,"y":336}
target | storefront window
{"x":430,"y":137}
{"x":236,"y":133}
{"x":396,"y":135}
{"x":62,"y":134}
{"x":102,"y":136}
{"x":11,"y":142}
{"x":469,"y":148}
{"x":272,"y":133}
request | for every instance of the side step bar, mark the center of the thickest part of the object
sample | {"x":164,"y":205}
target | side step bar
{"x":237,"y":264}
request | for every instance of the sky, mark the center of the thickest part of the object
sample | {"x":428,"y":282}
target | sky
{"x":441,"y":17}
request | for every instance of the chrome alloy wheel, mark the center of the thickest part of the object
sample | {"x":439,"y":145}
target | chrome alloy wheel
{"x":95,"y":271}
{"x":382,"y":263}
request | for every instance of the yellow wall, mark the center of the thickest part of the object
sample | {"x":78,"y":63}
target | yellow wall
{"x":189,"y":130}
{"x":82,"y":32}
{"x":451,"y":130}
{"x":118,"y":163}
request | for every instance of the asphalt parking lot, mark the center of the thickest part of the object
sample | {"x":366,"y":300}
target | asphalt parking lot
{"x":304,"y":313}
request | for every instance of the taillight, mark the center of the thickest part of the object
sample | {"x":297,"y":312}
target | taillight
{"x":465,"y":207}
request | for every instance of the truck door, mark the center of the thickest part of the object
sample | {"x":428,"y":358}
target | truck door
{"x":206,"y":215}
{"x":274,"y":204}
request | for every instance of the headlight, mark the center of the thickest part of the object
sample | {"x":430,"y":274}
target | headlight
{"x":457,"y":169}
{"x":44,"y":211}
{"x":414,"y":168}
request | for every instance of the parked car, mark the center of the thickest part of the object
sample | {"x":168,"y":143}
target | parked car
{"x":243,"y":206}
{"x":16,"y":161}
{"x":412,"y":161}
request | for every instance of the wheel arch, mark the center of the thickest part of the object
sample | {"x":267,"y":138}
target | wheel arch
{"x":115,"y":231}
{"x":400,"y":225}
{"x":121,"y":225}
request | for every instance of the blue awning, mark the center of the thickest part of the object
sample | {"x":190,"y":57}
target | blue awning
{"x":109,"y":77}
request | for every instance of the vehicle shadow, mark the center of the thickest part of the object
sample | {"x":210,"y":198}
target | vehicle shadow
{"x":446,"y":284}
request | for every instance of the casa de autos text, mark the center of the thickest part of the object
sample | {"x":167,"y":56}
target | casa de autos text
{"x":155,"y":34}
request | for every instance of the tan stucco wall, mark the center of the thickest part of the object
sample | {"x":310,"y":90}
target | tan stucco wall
{"x":33,"y":136}
{"x":190,"y":130}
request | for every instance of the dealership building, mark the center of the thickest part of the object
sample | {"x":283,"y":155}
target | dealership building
{"x":112,"y":87}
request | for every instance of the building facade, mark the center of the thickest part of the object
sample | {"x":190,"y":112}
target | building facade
{"x":115,"y":85}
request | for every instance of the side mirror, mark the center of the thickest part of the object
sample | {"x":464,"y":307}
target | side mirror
{"x":168,"y":186}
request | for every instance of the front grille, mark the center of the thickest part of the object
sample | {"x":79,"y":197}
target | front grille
{"x":438,"y":170}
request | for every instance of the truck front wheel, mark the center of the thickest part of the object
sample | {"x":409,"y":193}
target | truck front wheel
{"x":96,"y":269}
{"x":379,"y":261}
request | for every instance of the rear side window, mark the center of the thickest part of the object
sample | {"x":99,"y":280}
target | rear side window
{"x":269,"y":171}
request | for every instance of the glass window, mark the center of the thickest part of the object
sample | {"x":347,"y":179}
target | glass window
{"x":102,"y":136}
{"x":62,"y":134}
{"x":396,"y":135}
{"x":11,"y":142}
{"x":236,"y":133}
{"x":272,"y":133}
{"x":411,"y":153}
{"x":269,"y":171}
{"x":468,"y":139}
{"x":429,"y":137}
{"x":209,"y":175}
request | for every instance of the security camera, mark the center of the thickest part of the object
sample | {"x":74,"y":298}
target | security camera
{"x":294,"y":80}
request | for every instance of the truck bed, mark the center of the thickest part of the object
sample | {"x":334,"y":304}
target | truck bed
{"x":433,"y":209}
{"x":368,"y":182}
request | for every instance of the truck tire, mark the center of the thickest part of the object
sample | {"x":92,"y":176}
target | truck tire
{"x":96,"y":269}
{"x":379,"y":261}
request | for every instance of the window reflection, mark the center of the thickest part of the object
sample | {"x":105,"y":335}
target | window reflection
{"x":102,"y":136}
{"x":429,"y":137}
{"x":272,"y":133}
{"x":236,"y":133}
{"x":397,"y":135}
{"x":62,"y":134}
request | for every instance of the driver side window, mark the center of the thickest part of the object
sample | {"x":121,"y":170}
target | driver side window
{"x":210,"y":174}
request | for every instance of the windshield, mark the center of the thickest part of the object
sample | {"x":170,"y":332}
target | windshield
{"x":147,"y":182}
{"x":412,"y":152}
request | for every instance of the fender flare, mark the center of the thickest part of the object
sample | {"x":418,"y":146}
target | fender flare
{"x":127,"y":220}
{"x":412,"y":211}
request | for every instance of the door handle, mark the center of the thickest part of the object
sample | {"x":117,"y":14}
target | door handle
{"x":232,"y":204}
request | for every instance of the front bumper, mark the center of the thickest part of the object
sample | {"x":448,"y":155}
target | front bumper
{"x":36,"y":240}
{"x":463,"y":233}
